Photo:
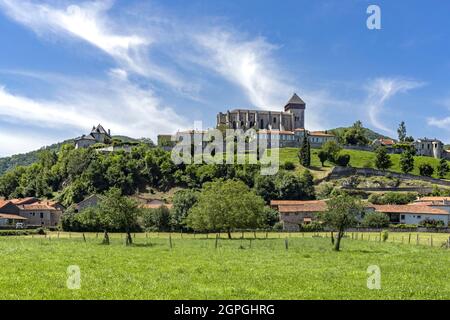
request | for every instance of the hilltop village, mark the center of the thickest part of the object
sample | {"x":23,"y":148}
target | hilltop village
{"x":77,"y":177}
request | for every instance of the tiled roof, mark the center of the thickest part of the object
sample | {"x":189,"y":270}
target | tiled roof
{"x":4,"y":203}
{"x":321,"y":133}
{"x":24,"y":200}
{"x":408,"y":209}
{"x":293,"y":202}
{"x":38,"y":206}
{"x":309,"y":207}
{"x":11,"y":216}
{"x":433,"y":199}
{"x":275,"y":132}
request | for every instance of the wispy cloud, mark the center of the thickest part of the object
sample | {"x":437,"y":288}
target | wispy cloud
{"x":246,"y":63}
{"x":380,"y":90}
{"x":119,"y":104}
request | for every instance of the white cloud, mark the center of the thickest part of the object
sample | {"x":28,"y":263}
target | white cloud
{"x":247,"y":64}
{"x":116,"y":103}
{"x":17,"y":142}
{"x":380,"y":90}
{"x":89,"y":21}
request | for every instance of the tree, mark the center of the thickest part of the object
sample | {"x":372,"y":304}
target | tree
{"x":425,"y":169}
{"x":355,"y":135}
{"x":265,"y":187}
{"x":323,"y":156}
{"x":304,"y":153}
{"x":401,"y":132}
{"x":226,"y":206}
{"x":342,"y":213}
{"x":343,"y":160}
{"x":157,"y":219}
{"x":407,"y":161}
{"x":375,"y":220}
{"x":332,"y":148}
{"x":382,"y":158}
{"x":443,"y":168}
{"x":118,"y":212}
{"x":183,"y":201}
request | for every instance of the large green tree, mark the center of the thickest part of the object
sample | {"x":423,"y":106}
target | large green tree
{"x":342,"y":213}
{"x":226,"y":206}
{"x":119,"y":212}
{"x":183,"y":201}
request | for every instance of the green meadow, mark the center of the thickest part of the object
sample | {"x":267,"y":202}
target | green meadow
{"x":358,"y":159}
{"x":162,"y":266}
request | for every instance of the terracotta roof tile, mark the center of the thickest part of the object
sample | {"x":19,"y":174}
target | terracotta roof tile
{"x":416,"y":209}
{"x":11,"y":216}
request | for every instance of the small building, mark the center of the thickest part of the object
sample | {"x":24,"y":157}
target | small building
{"x":42,"y":213}
{"x":294,"y":213}
{"x":413,"y":214}
{"x":430,"y":148}
{"x":98,"y":135}
{"x":318,"y":138}
{"x":9,"y":214}
{"x":89,"y":202}
{"x":383,"y":142}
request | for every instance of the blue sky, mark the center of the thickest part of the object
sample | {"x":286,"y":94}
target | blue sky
{"x":147,"y":67}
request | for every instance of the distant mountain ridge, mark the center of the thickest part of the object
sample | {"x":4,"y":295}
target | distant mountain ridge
{"x":25,"y":159}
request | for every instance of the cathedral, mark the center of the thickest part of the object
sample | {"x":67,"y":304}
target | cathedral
{"x":292,"y":118}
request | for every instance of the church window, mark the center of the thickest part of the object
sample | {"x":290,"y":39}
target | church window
{"x":274,"y":120}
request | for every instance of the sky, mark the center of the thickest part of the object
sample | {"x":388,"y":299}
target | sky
{"x":143,"y":68}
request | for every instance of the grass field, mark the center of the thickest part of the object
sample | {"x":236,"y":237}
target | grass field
{"x":35,"y":268}
{"x":358,"y":159}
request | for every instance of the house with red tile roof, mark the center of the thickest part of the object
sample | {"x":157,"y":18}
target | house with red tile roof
{"x":293,"y":213}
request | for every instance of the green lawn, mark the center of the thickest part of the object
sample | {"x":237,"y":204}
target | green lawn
{"x":35,"y":268}
{"x":358,"y":159}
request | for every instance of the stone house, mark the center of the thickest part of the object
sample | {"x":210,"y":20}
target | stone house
{"x":9,"y":214}
{"x":42,"y":213}
{"x":98,"y":135}
{"x":318,"y":138}
{"x":91,"y":201}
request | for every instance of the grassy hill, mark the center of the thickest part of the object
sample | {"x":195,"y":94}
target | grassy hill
{"x":25,"y":159}
{"x":370,"y":134}
{"x":358,"y":159}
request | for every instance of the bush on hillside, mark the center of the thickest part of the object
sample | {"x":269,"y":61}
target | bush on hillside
{"x":393,"y":198}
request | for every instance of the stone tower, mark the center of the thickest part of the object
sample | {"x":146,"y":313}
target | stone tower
{"x":296,"y":106}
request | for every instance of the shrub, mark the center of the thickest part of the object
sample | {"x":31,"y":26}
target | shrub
{"x":375,"y":220}
{"x":426,"y":170}
{"x":384,"y":235}
{"x":40,"y":231}
{"x":288,"y":165}
{"x":343,"y":160}
{"x":314,"y":226}
{"x":429,"y":223}
{"x":403,"y":226}
{"x":278,"y":226}
{"x":393,"y":198}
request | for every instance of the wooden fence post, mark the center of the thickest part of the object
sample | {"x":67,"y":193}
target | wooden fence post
{"x":409,"y":239}
{"x":417,"y":239}
{"x":217,"y":241}
{"x":170,"y":241}
{"x":84,"y":237}
{"x":286,"y":243}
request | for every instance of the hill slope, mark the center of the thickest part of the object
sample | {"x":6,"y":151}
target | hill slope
{"x":370,"y":134}
{"x":25,"y":159}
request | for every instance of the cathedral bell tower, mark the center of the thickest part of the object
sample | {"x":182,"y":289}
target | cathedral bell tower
{"x":296,"y":106}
